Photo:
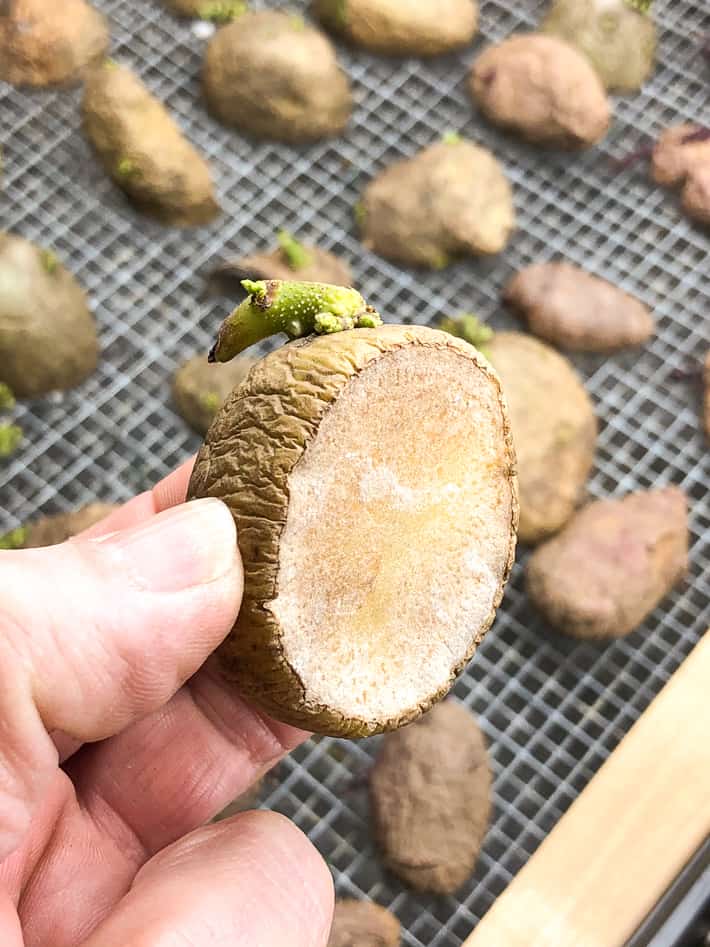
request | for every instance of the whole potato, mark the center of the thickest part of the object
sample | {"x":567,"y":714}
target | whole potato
{"x":275,"y":77}
{"x":200,"y":388}
{"x":543,"y":89}
{"x":452,"y":199}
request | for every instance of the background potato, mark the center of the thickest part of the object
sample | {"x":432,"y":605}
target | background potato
{"x":363,"y":924}
{"x":200,"y":388}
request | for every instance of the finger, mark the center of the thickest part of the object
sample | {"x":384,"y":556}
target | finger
{"x":252,"y":881}
{"x":10,"y":933}
{"x":96,"y":633}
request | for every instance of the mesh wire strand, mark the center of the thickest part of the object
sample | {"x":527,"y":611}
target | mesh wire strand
{"x":552,"y":709}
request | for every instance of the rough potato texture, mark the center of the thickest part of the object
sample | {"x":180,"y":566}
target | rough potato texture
{"x":612,"y":565}
{"x":47,"y":333}
{"x":322,"y":267}
{"x":554,"y":430}
{"x":430,"y":791}
{"x":682,"y":157}
{"x":249,"y":457}
{"x":573,"y":309}
{"x":543,"y":89}
{"x":447,"y":201}
{"x":619,"y":41}
{"x":201,"y":388}
{"x":401,"y":27}
{"x":144,"y":151}
{"x":363,"y":924}
{"x":50,"y":530}
{"x":277,"y":78}
{"x":45,"y":43}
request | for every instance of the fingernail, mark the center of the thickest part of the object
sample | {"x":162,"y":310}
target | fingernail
{"x":184,"y":547}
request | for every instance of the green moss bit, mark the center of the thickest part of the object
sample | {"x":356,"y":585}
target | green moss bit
{"x":15,"y":539}
{"x":440,"y":261}
{"x":222,"y":11}
{"x":126,"y":167}
{"x":297,"y":256}
{"x":451,"y":138}
{"x":7,"y":399}
{"x":10,"y":439}
{"x":643,"y":6}
{"x":298,"y":309}
{"x":360,"y":213}
{"x":49,"y":261}
{"x":211,"y":401}
{"x":468,"y":327}
{"x":297,"y":22}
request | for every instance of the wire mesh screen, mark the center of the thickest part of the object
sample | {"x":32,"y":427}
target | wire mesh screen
{"x":552,"y":709}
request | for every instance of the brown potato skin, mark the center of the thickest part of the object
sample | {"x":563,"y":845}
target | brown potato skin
{"x":272,"y":76}
{"x":706,"y":394}
{"x":197,"y":379}
{"x":542,"y":89}
{"x":401,"y":27}
{"x":619,"y":41}
{"x":363,"y":924}
{"x":324,"y":267}
{"x":50,"y":530}
{"x":696,"y":195}
{"x":242,"y":443}
{"x":170,"y":180}
{"x":554,"y":430}
{"x":449,"y":200}
{"x":430,"y":792}
{"x":680,"y":162}
{"x":45,"y":43}
{"x":575,"y":310}
{"x":48,"y":337}
{"x":614,"y":562}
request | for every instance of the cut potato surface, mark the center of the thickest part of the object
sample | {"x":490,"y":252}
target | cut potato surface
{"x":371,"y":476}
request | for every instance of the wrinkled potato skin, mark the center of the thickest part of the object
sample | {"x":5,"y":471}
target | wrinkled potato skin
{"x":447,"y":201}
{"x":309,"y":376}
{"x":401,"y":27}
{"x":612,"y":564}
{"x":677,"y":162}
{"x":430,"y":793}
{"x":325,"y":267}
{"x":363,"y":924}
{"x":542,"y":89}
{"x":573,"y":309}
{"x":170,"y":180}
{"x":619,"y":41}
{"x":50,"y":530}
{"x":554,"y":430}
{"x":48,"y":335}
{"x":197,"y":380}
{"x":276,"y":78}
{"x":44,"y":43}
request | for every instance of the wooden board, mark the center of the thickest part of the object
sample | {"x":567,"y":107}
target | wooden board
{"x":625,"y":839}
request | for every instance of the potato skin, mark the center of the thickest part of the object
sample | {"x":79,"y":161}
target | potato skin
{"x":542,"y":89}
{"x":247,"y":438}
{"x":363,"y":924}
{"x":430,"y":793}
{"x":706,"y":394}
{"x":680,"y":160}
{"x":44,"y":43}
{"x":50,"y":530}
{"x":570,"y":308}
{"x":612,"y":564}
{"x":271,"y":75}
{"x":144,"y":151}
{"x":401,"y":27}
{"x":48,"y":335}
{"x":447,"y":201}
{"x":200,"y":389}
{"x":324,"y":267}
{"x":554,"y":430}
{"x":619,"y":41}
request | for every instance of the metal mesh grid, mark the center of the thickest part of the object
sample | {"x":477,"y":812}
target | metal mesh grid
{"x":552,"y":709}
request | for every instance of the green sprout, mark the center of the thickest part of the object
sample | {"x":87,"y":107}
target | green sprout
{"x":10,"y":439}
{"x":297,"y":22}
{"x":15,"y":539}
{"x":297,"y":256}
{"x":110,"y":64}
{"x":468,"y":327}
{"x":451,"y":138}
{"x":222,"y":11}
{"x":7,"y":399}
{"x":126,"y":167}
{"x":298,"y":309}
{"x":440,"y":261}
{"x":360,"y":213}
{"x":211,"y":401}
{"x":49,"y":261}
{"x":643,"y":6}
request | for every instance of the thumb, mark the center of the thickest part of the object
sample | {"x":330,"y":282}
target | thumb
{"x":95,"y":633}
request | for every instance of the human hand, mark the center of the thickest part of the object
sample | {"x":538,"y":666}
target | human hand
{"x":103,"y":639}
